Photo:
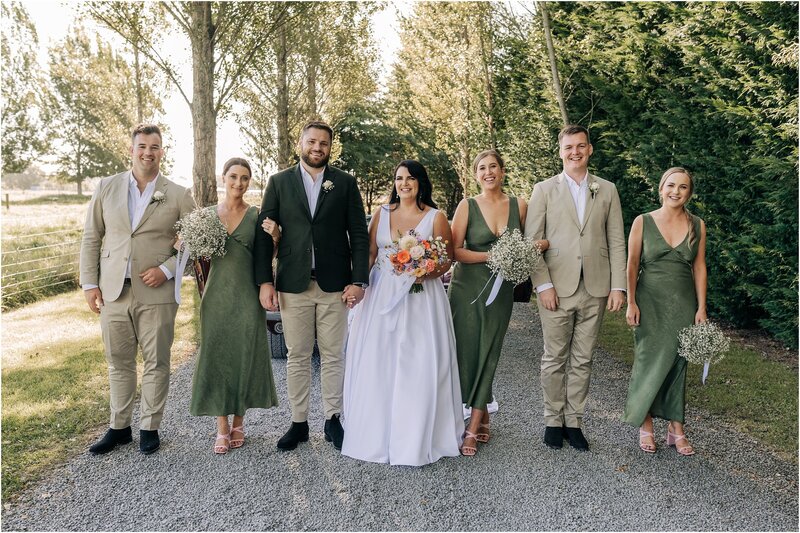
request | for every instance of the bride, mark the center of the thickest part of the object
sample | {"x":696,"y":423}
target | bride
{"x":402,"y":400}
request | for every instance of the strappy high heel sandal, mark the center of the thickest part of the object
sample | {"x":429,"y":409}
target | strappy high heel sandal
{"x":237,"y":443}
{"x":222,"y":449}
{"x":483,"y":434}
{"x":469,"y":451}
{"x":646,"y":446}
{"x":674,"y":438}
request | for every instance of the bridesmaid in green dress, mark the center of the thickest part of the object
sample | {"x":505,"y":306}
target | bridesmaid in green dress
{"x":666,"y":292}
{"x":479,"y":329}
{"x":233,"y":371}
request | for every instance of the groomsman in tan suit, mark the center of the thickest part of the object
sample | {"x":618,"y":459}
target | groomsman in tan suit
{"x":581,"y":275}
{"x":128,"y":278}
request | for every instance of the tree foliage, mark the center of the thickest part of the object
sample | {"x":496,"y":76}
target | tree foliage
{"x":92,"y":107}
{"x":712,"y":87}
{"x":23,"y":91}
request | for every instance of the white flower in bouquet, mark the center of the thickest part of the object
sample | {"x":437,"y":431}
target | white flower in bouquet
{"x":417,"y":251}
{"x":202,"y":233}
{"x":703,"y":343}
{"x":513,"y":257}
{"x":407,"y":242}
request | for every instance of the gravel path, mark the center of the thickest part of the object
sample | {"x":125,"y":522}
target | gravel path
{"x":514,"y":483}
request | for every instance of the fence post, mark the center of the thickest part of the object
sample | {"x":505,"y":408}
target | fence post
{"x":8,"y":204}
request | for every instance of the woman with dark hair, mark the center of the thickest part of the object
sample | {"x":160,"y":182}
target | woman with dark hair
{"x":402,"y":403}
{"x":233,"y":372}
{"x":480,"y":329}
{"x":667,"y":283}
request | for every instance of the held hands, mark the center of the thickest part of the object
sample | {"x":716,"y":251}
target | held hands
{"x":616,"y":299}
{"x":271,"y":228}
{"x":153,"y":277}
{"x":94,"y":298}
{"x":268,"y":297}
{"x":352,"y":295}
{"x":632,"y":314}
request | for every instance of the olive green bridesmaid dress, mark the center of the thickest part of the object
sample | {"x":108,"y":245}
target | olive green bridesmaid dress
{"x":479,"y":329}
{"x":233,"y":372}
{"x":667,"y":301}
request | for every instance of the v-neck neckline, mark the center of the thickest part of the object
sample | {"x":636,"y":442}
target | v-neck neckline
{"x":508,"y":218}
{"x":660,"y":234}
{"x":415,"y":228}
{"x":237,"y":225}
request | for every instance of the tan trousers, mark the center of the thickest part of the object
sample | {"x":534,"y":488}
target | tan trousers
{"x":570,"y":334}
{"x":314,"y":312}
{"x":126,"y":324}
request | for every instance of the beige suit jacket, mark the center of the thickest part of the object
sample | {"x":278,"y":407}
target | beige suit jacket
{"x":597,"y":245}
{"x":108,"y":239}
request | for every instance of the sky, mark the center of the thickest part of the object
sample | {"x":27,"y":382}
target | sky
{"x":53,"y":20}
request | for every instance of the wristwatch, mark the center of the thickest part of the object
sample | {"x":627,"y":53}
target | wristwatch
{"x":361,"y":284}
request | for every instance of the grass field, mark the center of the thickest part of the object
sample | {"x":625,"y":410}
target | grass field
{"x":41,"y":244}
{"x":55,"y":381}
{"x":759,"y":397}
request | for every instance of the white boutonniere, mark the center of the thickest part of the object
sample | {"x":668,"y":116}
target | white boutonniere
{"x":158,"y":197}
{"x":593,"y":188}
{"x":327,"y":185}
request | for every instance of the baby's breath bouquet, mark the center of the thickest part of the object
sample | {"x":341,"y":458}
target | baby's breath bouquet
{"x":703,"y":343}
{"x":511,"y":258}
{"x":202,"y":233}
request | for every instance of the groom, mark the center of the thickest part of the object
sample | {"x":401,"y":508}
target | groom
{"x":323,"y":257}
{"x":127,"y":275}
{"x":581,"y":275}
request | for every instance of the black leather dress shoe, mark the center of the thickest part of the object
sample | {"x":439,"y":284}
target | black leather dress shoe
{"x":334,"y":432}
{"x":554,"y":437}
{"x":297,"y":433}
{"x":148,"y":441}
{"x":111,"y":439}
{"x":576,"y":439}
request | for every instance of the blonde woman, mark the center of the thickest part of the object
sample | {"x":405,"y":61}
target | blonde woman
{"x":666,"y":292}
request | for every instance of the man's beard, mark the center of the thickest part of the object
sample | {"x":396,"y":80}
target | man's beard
{"x":307,"y":159}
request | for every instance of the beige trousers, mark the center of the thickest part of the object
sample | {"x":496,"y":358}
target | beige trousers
{"x":127,"y":324}
{"x":311,"y":313}
{"x":570,"y":335}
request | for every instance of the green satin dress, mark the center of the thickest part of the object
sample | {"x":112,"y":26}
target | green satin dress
{"x":667,"y":301}
{"x":233,"y":372}
{"x":479,"y":330}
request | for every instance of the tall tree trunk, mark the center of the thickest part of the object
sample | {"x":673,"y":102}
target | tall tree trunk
{"x":137,"y":68}
{"x":551,"y":54}
{"x":311,"y":82}
{"x":282,"y":101}
{"x":204,"y":116}
{"x":486,"y":42}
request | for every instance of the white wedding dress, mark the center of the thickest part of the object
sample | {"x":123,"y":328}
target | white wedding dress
{"x":402,"y":398}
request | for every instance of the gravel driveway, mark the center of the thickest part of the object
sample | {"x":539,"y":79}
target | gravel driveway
{"x":513,"y":483}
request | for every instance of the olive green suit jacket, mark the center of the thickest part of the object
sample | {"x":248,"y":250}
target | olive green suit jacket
{"x":337,"y":232}
{"x":595,"y":247}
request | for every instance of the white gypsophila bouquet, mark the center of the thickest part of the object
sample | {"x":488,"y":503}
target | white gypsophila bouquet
{"x":202,"y":233}
{"x":703,"y":343}
{"x":513,"y":257}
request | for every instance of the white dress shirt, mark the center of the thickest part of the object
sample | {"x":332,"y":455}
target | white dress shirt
{"x":313,"y":186}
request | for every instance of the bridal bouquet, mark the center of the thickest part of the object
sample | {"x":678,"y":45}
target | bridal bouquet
{"x":703,"y":343}
{"x":414,"y":256}
{"x":511,"y":258}
{"x":202,"y":234}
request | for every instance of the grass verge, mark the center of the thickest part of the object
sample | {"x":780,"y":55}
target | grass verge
{"x":759,"y":397}
{"x":55,"y":382}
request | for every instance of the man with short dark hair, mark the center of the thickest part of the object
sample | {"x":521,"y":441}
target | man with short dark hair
{"x":581,"y":274}
{"x":323,"y":257}
{"x":127,"y":274}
